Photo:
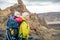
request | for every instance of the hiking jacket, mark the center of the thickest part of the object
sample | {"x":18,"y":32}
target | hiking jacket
{"x":24,"y":29}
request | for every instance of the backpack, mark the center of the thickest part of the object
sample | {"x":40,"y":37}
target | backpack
{"x":12,"y":23}
{"x":12,"y":27}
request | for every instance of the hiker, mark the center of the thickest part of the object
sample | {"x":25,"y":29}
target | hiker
{"x":24,"y":28}
{"x":13,"y":26}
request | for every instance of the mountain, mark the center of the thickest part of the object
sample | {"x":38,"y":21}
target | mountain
{"x":50,"y":16}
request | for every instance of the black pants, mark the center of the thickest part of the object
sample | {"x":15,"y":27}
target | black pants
{"x":24,"y":39}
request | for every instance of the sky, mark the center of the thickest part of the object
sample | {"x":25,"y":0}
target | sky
{"x":7,"y":3}
{"x":42,"y":6}
{"x":35,"y":6}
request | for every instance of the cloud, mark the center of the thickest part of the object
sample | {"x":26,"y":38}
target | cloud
{"x":42,"y":6}
{"x":35,"y":6}
{"x":39,"y":3}
{"x":42,"y":0}
{"x":7,"y":3}
{"x":44,"y":9}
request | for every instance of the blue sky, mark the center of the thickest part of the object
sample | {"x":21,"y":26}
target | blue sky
{"x":35,"y":6}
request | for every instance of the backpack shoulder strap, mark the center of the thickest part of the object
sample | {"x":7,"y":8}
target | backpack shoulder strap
{"x":24,"y":21}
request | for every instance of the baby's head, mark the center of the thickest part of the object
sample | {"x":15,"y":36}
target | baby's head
{"x":17,"y":14}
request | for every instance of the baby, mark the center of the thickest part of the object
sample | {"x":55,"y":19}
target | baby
{"x":17,"y":16}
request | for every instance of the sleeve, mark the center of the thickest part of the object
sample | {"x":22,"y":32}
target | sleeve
{"x":22,"y":25}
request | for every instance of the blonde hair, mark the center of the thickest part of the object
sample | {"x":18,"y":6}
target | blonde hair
{"x":25,"y":14}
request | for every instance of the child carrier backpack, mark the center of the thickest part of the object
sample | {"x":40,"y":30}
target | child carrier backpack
{"x":12,"y":28}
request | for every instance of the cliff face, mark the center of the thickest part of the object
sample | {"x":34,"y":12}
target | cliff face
{"x":39,"y":28}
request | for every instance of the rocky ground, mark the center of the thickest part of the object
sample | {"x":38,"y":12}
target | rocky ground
{"x":46,"y":34}
{"x":2,"y":34}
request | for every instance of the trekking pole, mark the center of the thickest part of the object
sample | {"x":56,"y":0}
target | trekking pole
{"x":8,"y":35}
{"x":7,"y":38}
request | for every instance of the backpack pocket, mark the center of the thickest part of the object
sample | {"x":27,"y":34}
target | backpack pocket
{"x":14,"y":32}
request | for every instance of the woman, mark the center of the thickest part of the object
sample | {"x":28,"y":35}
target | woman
{"x":24,"y":28}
